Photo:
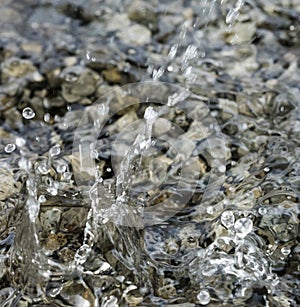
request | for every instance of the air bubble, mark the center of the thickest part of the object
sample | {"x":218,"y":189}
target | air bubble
{"x":28,"y":113}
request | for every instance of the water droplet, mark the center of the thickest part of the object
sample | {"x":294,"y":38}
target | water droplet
{"x":94,"y":154}
{"x":222,"y":168}
{"x":243,"y":227}
{"x":103,"y":109}
{"x":43,"y":168}
{"x":55,"y":151}
{"x":266,"y":169}
{"x":173,"y":51}
{"x":227,"y":219}
{"x":105,"y":267}
{"x":262,"y":210}
{"x":33,"y":208}
{"x":10,"y":148}
{"x":108,"y":169}
{"x":52,"y":191}
{"x":157,"y":73}
{"x":71,"y":77}
{"x":28,"y":113}
{"x":42,"y":199}
{"x":82,"y":253}
{"x":285,"y":251}
{"x":210,"y":210}
{"x":61,"y":168}
{"x":203,"y":297}
{"x":234,"y":12}
{"x":20,"y":142}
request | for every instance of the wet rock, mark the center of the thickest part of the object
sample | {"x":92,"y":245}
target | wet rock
{"x":78,"y":83}
{"x":73,"y":220}
{"x":103,"y":57}
{"x":78,"y":293}
{"x":143,"y":13}
{"x":54,"y":242}
{"x":50,"y":219}
{"x":241,"y":33}
{"x":15,"y":68}
{"x":135,"y":35}
{"x":44,"y":16}
{"x":189,"y":236}
{"x":9,"y":186}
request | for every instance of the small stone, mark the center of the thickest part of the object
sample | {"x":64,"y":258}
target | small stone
{"x":55,"y":241}
{"x":113,"y":75}
{"x":135,"y":35}
{"x":118,"y":22}
{"x":15,"y":68}
{"x":79,"y":82}
{"x":161,"y":126}
{"x":8,"y":185}
{"x":241,"y":33}
{"x":143,"y":13}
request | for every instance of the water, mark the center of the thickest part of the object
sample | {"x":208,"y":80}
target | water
{"x":28,"y":113}
{"x":203,"y":297}
{"x":156,"y":174}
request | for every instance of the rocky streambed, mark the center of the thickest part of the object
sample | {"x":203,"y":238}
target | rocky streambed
{"x":149,"y":153}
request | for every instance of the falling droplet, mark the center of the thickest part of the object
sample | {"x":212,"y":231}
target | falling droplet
{"x":243,"y":227}
{"x":9,"y":148}
{"x":203,"y":297}
{"x":28,"y":113}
